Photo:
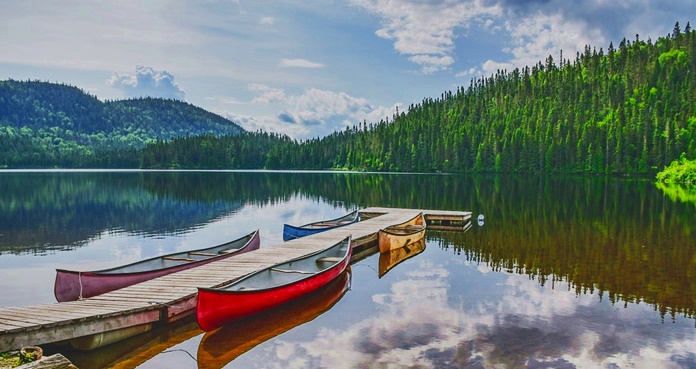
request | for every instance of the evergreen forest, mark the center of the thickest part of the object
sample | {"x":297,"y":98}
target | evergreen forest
{"x":629,"y":109}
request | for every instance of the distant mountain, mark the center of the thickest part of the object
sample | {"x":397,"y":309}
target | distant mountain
{"x":47,"y":124}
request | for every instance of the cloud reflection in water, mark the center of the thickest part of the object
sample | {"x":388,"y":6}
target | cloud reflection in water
{"x":424,"y":322}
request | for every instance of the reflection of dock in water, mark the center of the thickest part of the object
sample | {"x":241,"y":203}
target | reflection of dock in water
{"x":116,"y":315}
{"x":137,"y":350}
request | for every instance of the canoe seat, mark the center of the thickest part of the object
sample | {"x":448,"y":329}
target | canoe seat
{"x":178,"y":259}
{"x":227,"y":251}
{"x":406,"y":228}
{"x":329,"y":259}
{"x":291,"y":271}
{"x":198,"y":253}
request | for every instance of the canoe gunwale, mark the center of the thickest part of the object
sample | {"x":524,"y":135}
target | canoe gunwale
{"x":397,"y":234}
{"x":351,"y":217}
{"x":399,"y":229}
{"x":71,"y":285}
{"x":291,"y":232}
{"x":103,"y":272}
{"x":408,"y":222}
{"x":223,"y":289}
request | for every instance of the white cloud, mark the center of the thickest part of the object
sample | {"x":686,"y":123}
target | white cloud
{"x":299,"y":63}
{"x":431,"y":63}
{"x":425,"y":30}
{"x":471,"y":72}
{"x":314,"y":112}
{"x":267,"y":21}
{"x":536,"y":37}
{"x":268,"y":95}
{"x":147,"y":82}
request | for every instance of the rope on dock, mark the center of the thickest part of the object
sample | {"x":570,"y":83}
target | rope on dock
{"x":185,"y":306}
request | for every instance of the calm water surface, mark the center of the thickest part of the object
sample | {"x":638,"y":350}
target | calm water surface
{"x":565,"y":272}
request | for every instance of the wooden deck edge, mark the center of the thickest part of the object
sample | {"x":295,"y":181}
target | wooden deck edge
{"x":39,"y":336}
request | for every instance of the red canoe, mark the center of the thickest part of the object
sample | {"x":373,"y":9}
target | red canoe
{"x":73,"y":285}
{"x":271,"y":287}
{"x":219,"y":347}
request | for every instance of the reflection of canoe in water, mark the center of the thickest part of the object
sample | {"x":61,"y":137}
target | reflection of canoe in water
{"x":399,"y":235}
{"x":388,"y":260}
{"x":272,"y":286}
{"x":291,"y":232}
{"x":219,"y":347}
{"x":72,"y":285}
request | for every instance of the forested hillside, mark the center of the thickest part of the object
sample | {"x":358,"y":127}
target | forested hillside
{"x":46,"y":124}
{"x":627,"y":110}
{"x":630,"y":109}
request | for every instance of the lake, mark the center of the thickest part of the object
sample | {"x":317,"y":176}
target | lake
{"x":568,"y":272}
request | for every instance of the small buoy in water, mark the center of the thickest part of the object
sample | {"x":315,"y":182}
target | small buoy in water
{"x":480,"y":220}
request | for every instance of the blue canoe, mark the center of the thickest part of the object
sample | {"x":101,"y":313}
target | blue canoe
{"x":292,"y":232}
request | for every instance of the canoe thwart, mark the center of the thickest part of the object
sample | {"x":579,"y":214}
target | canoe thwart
{"x":178,"y":259}
{"x":328,"y":259}
{"x":197,"y":253}
{"x":227,"y":251}
{"x":291,"y":271}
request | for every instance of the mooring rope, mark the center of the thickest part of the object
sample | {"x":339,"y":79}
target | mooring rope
{"x":185,"y":306}
{"x":79,"y":277}
{"x":189,"y":354}
{"x":366,"y":265}
{"x":270,"y":239}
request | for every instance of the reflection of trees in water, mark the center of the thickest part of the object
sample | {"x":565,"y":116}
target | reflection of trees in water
{"x":679,"y":192}
{"x":45,"y":211}
{"x":621,"y":239}
{"x":42,"y":212}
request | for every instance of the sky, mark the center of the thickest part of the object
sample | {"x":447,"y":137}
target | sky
{"x":306,"y":68}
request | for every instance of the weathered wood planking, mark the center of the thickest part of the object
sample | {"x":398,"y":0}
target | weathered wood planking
{"x":166,"y":298}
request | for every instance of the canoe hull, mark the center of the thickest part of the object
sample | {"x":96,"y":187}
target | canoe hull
{"x":73,"y":285}
{"x":388,"y":242}
{"x":217,"y":307}
{"x":291,"y":232}
{"x":400,"y":235}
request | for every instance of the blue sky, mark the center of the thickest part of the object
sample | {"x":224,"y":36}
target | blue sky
{"x":305,"y":68}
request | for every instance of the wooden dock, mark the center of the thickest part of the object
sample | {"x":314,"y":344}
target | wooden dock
{"x":100,"y":320}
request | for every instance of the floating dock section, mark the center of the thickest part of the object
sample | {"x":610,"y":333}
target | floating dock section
{"x":100,"y":320}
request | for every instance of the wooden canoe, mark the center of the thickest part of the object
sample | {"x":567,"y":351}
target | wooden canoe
{"x":72,"y":285}
{"x":399,"y":235}
{"x":219,"y":347}
{"x":390,"y":259}
{"x":292,"y":232}
{"x":270,"y":287}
